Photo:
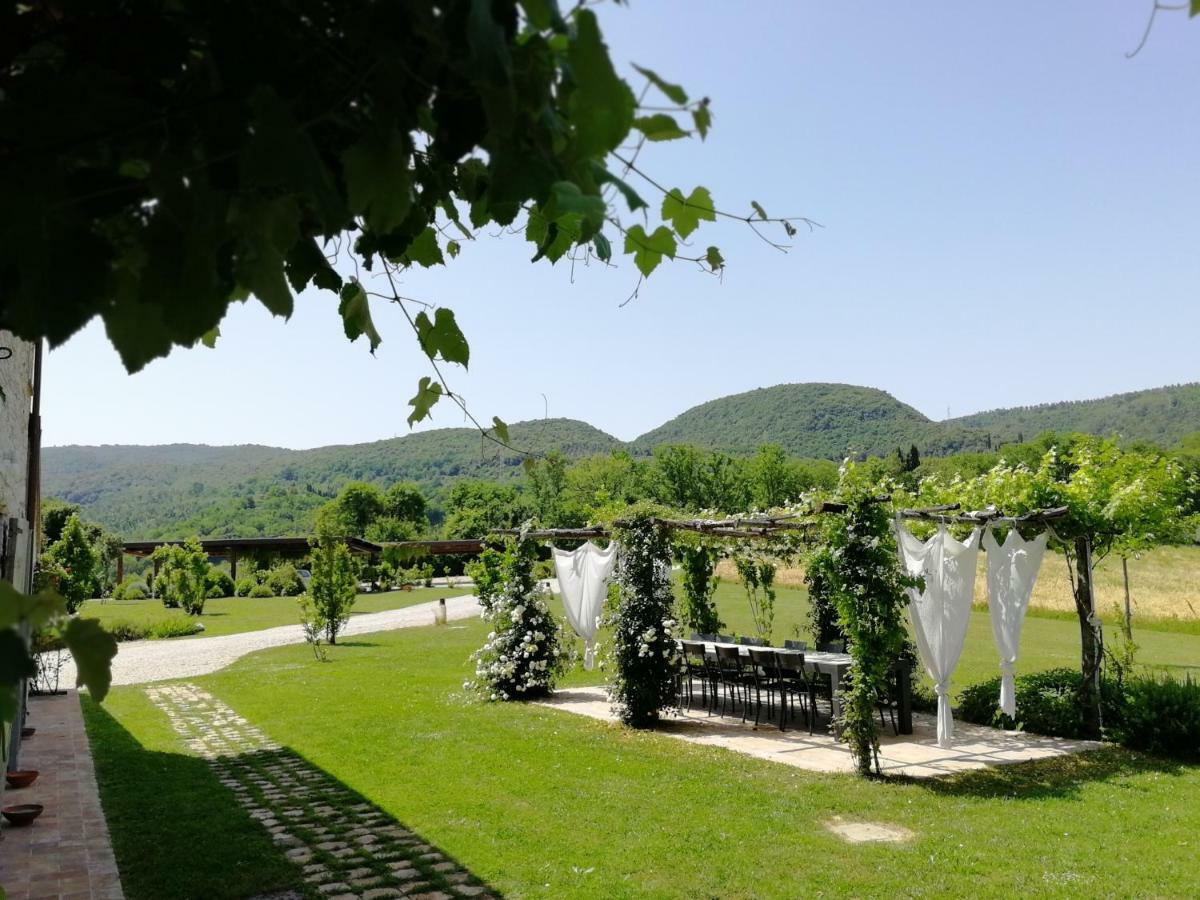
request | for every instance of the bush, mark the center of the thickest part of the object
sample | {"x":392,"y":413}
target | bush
{"x":1160,"y":715}
{"x":127,"y":631}
{"x":1047,"y":703}
{"x":260,"y":590}
{"x":284,"y":581}
{"x":332,"y":588}
{"x":130,"y":589}
{"x":182,"y":576}
{"x":219,"y":583}
{"x":244,"y":586}
{"x":169,"y":628}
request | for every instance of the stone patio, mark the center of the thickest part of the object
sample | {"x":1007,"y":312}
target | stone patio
{"x":916,"y":755}
{"x":66,"y":853}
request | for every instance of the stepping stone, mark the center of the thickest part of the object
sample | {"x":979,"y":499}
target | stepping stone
{"x":299,"y":854}
{"x":433,"y":895}
{"x":334,"y":887}
{"x":445,"y":867}
{"x":868,"y":832}
{"x":361,"y":872}
{"x":381,"y":894}
{"x":470,"y":890}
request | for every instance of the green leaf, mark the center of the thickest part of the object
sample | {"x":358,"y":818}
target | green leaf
{"x":762,"y":213}
{"x":453,"y":248}
{"x":379,"y":180}
{"x":93,"y":649}
{"x":36,"y":609}
{"x":1195,"y":9}
{"x":648,"y":250}
{"x":568,"y":198}
{"x":306,"y":262}
{"x":539,"y":13}
{"x":601,"y":104}
{"x":659,"y":127}
{"x":676,"y":93}
{"x":442,"y":337}
{"x":714,"y":258}
{"x":209,"y":338}
{"x":428,"y":393}
{"x":355,"y":310}
{"x":501,"y":428}
{"x":603,"y":176}
{"x":424,"y":250}
{"x":686,"y":215}
{"x":603,"y":247}
{"x":269,"y":229}
{"x":702,"y":118}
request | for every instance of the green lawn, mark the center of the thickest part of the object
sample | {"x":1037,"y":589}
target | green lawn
{"x":233,"y":615}
{"x":542,"y":803}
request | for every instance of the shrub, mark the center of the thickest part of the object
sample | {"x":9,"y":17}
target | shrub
{"x":244,"y":586}
{"x":1047,"y":703}
{"x":1160,"y":715}
{"x":182,"y":576}
{"x":521,"y":658}
{"x":169,"y":628}
{"x":218,"y":583}
{"x":130,"y":589}
{"x":260,"y":590}
{"x":284,"y":581}
{"x":78,"y":577}
{"x":127,"y":631}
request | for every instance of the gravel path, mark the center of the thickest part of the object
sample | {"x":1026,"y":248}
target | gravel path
{"x":142,"y":661}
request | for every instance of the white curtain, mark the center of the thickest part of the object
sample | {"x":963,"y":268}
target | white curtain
{"x":1012,"y":568}
{"x":583,"y":576}
{"x":940,"y":613}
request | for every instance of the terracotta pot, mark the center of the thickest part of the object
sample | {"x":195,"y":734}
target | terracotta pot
{"x":22,"y":814}
{"x":28,"y":731}
{"x":21,"y":778}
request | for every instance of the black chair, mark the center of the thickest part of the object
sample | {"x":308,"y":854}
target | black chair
{"x":764,"y":669}
{"x":889,"y":699}
{"x":724,"y":639}
{"x":833,"y":646}
{"x":693,"y":665}
{"x":794,"y":682}
{"x":795,"y":645}
{"x":706,"y":638}
{"x":747,"y":641}
{"x":735,"y":678}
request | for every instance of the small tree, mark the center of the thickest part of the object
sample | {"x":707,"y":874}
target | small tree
{"x":74,"y":553}
{"x":182,"y":576}
{"x":332,"y":587}
{"x":758,"y":580}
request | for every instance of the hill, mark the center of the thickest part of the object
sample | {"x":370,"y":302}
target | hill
{"x":251,"y":490}
{"x":1161,"y":416}
{"x":823,"y":421}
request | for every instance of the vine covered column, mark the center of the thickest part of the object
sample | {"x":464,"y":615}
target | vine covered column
{"x":643,"y":626}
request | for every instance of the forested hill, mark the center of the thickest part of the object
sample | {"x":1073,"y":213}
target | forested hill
{"x":181,"y":489}
{"x":1162,"y":416}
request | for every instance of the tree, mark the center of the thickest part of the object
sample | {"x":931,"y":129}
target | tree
{"x":73,"y":551}
{"x":182,"y":579}
{"x":477,"y":507}
{"x":185,"y":157}
{"x":547,"y":478}
{"x":405,"y":502}
{"x":772,"y":479}
{"x":333,"y":585}
{"x":357,"y":505}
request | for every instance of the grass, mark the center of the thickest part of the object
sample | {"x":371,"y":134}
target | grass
{"x":538,"y":802}
{"x":233,"y":615}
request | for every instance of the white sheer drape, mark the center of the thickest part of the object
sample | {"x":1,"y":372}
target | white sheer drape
{"x":1012,"y":569}
{"x":941,"y":612}
{"x":583,"y":576}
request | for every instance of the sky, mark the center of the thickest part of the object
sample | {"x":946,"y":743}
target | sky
{"x":1009,"y":211}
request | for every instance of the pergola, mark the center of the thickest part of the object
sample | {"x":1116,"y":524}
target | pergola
{"x":231,"y":548}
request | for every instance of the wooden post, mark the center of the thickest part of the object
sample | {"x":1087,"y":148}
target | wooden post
{"x":154,"y":586}
{"x":233,"y":564}
{"x":120,"y":566}
{"x":1090,"y":638}
{"x":1128,"y":603}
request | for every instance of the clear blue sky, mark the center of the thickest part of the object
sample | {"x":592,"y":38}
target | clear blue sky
{"x":1011,"y":212}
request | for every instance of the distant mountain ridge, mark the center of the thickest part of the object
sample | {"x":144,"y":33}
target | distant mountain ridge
{"x":177,"y":489}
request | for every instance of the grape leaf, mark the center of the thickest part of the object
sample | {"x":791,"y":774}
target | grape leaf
{"x":762,"y":213}
{"x":209,"y":338}
{"x":501,"y":428}
{"x":603,"y":247}
{"x":686,"y":215}
{"x":441,"y":336}
{"x":424,"y":250}
{"x":714,"y":258}
{"x":603,"y":176}
{"x":378,"y":180}
{"x":601,"y":105}
{"x":93,"y":649}
{"x":568,"y":198}
{"x":659,"y":127}
{"x":676,"y":93}
{"x":428,"y":393}
{"x":36,"y":609}
{"x":453,"y":248}
{"x":355,"y":311}
{"x":702,"y":119}
{"x":648,"y":250}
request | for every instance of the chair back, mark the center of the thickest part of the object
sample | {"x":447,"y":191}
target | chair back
{"x":765,"y":660}
{"x":747,"y":641}
{"x":729,"y":659}
{"x":789,"y":665}
{"x":693,"y":652}
{"x":832,"y":647}
{"x":725,"y":638}
{"x":706,"y":638}
{"x":795,"y":645}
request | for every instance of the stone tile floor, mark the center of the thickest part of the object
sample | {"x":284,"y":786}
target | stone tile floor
{"x":915,"y":755}
{"x":66,"y":853}
{"x":345,"y":847}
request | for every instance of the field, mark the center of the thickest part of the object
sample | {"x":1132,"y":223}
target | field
{"x":232,"y":615}
{"x":1164,"y":586}
{"x":540,"y":803}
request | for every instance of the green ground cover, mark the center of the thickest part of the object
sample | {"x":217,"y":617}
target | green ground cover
{"x":542,"y":803}
{"x":233,"y":615}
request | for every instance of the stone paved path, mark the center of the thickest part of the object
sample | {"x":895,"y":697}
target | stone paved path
{"x":346,"y":848}
{"x":66,"y":853}
{"x":145,"y":661}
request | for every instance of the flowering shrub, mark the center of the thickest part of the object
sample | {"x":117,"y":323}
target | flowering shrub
{"x":522,"y":657}
{"x":643,"y":627}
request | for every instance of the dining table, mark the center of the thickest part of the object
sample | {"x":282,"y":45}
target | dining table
{"x":837,"y":666}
